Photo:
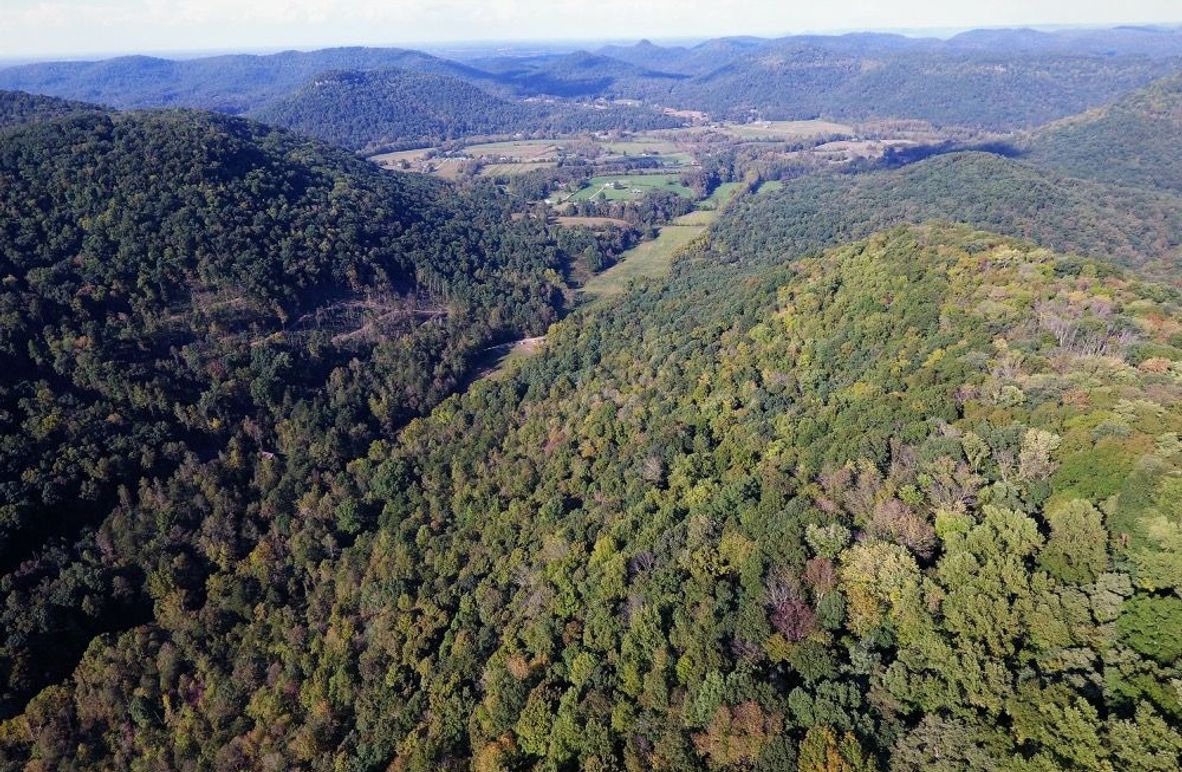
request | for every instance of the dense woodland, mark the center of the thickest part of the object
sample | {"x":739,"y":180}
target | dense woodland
{"x":886,"y":474}
{"x":844,"y":515}
{"x":393,"y":108}
{"x":1126,"y":225}
{"x":187,"y":296}
{"x":18,"y":109}
{"x":1130,"y":142}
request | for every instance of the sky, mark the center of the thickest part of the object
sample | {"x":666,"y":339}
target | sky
{"x":42,"y":28}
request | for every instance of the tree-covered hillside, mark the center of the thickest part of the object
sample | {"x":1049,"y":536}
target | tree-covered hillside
{"x":1134,"y":141}
{"x":855,"y":78}
{"x":884,"y":475}
{"x":1130,"y":226}
{"x":20,"y":109}
{"x":911,"y":504}
{"x":383,"y":108}
{"x":207,"y":313}
{"x":232,"y":83}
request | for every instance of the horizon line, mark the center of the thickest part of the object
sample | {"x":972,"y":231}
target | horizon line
{"x":917,"y":33}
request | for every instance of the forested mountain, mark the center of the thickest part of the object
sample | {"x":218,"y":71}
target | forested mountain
{"x":998,"y":80}
{"x":365,"y":109}
{"x":583,"y":74}
{"x":981,"y":90}
{"x":357,"y":109}
{"x":1134,"y":141}
{"x":235,"y":83}
{"x":910,"y":504}
{"x":1125,"y":40}
{"x":20,"y":109}
{"x":851,"y":77}
{"x":1156,"y":42}
{"x":1130,"y":226}
{"x":198,"y":317}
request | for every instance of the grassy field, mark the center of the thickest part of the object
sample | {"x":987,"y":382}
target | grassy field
{"x":771,"y":186}
{"x":778,"y":131}
{"x":641,"y":145}
{"x":721,"y":195}
{"x":593,"y":222}
{"x":626,"y":187}
{"x":678,"y":160}
{"x":499,"y":361}
{"x":518,"y":150}
{"x":648,"y":260}
{"x":392,"y":160}
{"x":506,"y":169}
{"x":700,"y":217}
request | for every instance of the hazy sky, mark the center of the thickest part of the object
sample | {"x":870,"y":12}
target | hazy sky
{"x":57,"y":27}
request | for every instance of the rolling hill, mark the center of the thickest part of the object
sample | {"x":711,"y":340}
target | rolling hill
{"x":1124,"y":225}
{"x":584,"y":74}
{"x":235,"y":84}
{"x":1133,"y":141}
{"x":18,"y":108}
{"x":358,"y":109}
{"x":387,"y":108}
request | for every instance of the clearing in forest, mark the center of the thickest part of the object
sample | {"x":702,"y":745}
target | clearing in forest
{"x":626,"y":187}
{"x":779,"y":131}
{"x":651,"y":259}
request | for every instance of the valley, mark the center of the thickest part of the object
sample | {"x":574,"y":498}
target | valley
{"x":803,"y":403}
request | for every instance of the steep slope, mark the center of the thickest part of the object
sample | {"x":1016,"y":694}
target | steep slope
{"x":207,"y":312}
{"x":1134,"y":227}
{"x":235,"y":83}
{"x":1133,"y":141}
{"x":361,"y":109}
{"x":20,"y":109}
{"x":909,"y":504}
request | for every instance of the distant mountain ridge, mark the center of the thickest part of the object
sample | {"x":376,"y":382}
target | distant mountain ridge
{"x":996,"y":79}
{"x":233,"y":83}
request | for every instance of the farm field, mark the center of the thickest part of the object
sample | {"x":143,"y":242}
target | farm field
{"x":676,"y":160}
{"x":778,"y":131}
{"x":641,"y":145}
{"x":626,"y":187}
{"x":593,"y":222}
{"x":394,"y":160}
{"x":698,"y":217}
{"x":507,"y":169}
{"x":721,"y":195}
{"x":522,"y":150}
{"x":651,"y":259}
